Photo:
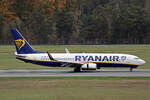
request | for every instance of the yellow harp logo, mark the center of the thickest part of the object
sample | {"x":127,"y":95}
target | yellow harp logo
{"x":20,"y":43}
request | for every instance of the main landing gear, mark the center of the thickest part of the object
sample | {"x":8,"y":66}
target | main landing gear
{"x":77,"y":69}
{"x":131,"y":69}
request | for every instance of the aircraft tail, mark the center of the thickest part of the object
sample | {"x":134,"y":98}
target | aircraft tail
{"x":22,"y":46}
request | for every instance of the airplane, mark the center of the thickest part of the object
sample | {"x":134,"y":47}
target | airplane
{"x":78,"y":61}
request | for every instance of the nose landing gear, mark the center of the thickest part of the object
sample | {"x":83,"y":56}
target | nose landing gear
{"x":77,"y":69}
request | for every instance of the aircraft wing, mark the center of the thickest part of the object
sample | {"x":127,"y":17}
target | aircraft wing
{"x":66,"y":63}
{"x":70,"y":64}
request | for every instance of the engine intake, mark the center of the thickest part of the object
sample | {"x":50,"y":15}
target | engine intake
{"x":89,"y":66}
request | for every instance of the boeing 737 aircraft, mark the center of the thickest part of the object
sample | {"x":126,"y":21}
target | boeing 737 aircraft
{"x":78,"y":61}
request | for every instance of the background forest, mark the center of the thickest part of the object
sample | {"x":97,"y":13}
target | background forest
{"x":76,"y":21}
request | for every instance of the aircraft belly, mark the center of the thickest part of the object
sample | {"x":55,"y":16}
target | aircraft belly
{"x":48,"y":63}
{"x":115,"y":65}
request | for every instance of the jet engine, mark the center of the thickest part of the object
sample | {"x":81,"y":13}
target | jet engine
{"x":89,"y":66}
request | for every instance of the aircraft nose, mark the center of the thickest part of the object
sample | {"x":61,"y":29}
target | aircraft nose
{"x":142,"y":62}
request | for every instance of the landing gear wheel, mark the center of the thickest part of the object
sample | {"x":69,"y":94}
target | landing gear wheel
{"x":77,"y":69}
{"x":131,"y":69}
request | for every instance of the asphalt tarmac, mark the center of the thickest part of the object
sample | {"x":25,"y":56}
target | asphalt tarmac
{"x":47,"y":73}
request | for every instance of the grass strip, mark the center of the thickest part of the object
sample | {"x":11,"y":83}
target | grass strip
{"x":77,"y":78}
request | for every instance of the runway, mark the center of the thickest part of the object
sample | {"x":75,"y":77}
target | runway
{"x":48,"y":73}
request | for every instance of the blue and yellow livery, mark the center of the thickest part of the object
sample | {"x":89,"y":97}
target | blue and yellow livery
{"x":79,"y":61}
{"x":22,"y":46}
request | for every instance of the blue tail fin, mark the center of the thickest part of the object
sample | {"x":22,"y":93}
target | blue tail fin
{"x":22,"y":46}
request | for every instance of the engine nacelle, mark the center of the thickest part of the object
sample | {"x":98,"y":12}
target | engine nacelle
{"x":89,"y":66}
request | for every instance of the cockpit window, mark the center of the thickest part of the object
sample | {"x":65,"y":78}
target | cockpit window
{"x":136,"y":58}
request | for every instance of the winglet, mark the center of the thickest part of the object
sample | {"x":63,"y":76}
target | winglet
{"x":67,"y":51}
{"x":50,"y":56}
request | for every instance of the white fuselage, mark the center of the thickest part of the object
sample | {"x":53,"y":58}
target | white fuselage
{"x":101,"y":59}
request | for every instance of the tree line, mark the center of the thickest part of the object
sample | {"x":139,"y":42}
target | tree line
{"x":77,"y":21}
